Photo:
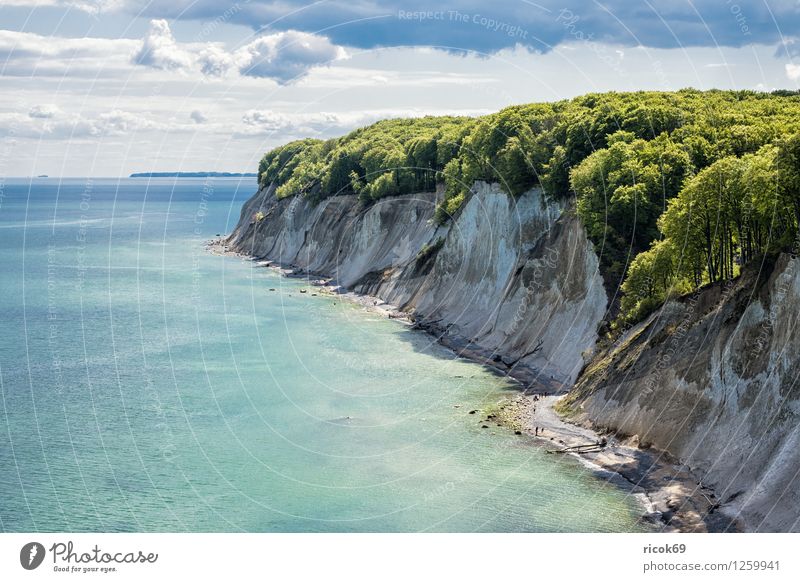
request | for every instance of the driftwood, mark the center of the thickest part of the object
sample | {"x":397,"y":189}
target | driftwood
{"x":587,"y":448}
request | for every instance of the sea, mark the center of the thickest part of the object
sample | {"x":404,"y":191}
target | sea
{"x":150,"y":386}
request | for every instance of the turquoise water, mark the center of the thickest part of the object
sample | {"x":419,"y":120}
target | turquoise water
{"x":150,"y":386}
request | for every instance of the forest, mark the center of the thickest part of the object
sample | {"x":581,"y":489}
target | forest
{"x":676,"y":190}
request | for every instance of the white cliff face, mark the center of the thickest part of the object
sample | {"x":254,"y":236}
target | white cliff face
{"x":510,"y":279}
{"x":713,"y":380}
{"x":337,"y":238}
{"x":519,"y":278}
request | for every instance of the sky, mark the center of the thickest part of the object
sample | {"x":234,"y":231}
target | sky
{"x":111,"y":87}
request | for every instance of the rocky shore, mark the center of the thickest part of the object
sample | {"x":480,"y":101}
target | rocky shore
{"x":675,"y":499}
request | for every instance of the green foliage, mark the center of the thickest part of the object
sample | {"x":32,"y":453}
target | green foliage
{"x":397,"y":156}
{"x":428,"y":251}
{"x":446,"y":210}
{"x":278,"y":165}
{"x":525,"y":145}
{"x":652,"y":278}
{"x":622,"y":190}
{"x":513,"y":168}
{"x":788,"y":170}
{"x":682,"y":188}
{"x":730,"y":213}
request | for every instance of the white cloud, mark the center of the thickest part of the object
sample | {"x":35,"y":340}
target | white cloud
{"x":50,"y":122}
{"x":345,"y":76}
{"x":160,"y":50}
{"x":266,"y":121}
{"x":215,"y":61}
{"x":286,"y":56}
{"x":27,"y":54}
{"x":43,"y":111}
{"x":793,"y":72}
{"x":90,"y":6}
{"x":198,"y":117}
{"x":281,"y":57}
{"x":325,"y":124}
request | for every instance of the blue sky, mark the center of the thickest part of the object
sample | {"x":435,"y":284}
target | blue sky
{"x":109,"y":87}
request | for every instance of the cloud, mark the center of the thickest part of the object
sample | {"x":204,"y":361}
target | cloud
{"x":286,"y":56}
{"x":50,"y":122}
{"x":487,"y":27}
{"x":215,"y":61}
{"x":90,"y":6}
{"x":282,"y":57}
{"x":266,"y":121}
{"x":793,"y":72}
{"x":198,"y":117}
{"x":43,"y":112}
{"x":160,"y":50}
{"x":26,"y":54}
{"x":326,"y":124}
{"x":788,"y":48}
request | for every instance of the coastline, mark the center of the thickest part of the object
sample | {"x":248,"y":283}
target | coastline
{"x":670,"y":496}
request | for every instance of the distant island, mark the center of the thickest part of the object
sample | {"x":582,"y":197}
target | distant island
{"x":193,"y":175}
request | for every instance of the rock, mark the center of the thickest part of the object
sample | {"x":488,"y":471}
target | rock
{"x":484,"y":426}
{"x":517,"y":432}
{"x":473,"y":411}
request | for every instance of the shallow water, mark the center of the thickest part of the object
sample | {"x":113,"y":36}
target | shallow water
{"x":150,"y":386}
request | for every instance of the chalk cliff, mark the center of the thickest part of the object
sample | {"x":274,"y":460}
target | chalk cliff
{"x":712,"y":379}
{"x":511,"y":280}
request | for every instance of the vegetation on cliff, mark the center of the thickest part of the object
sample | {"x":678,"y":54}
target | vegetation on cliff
{"x":676,"y":190}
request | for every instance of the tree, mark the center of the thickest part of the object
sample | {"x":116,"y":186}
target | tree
{"x":652,"y":278}
{"x":788,"y":168}
{"x":513,"y":169}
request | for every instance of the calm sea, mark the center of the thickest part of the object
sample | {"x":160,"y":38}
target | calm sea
{"x":149,"y":386}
